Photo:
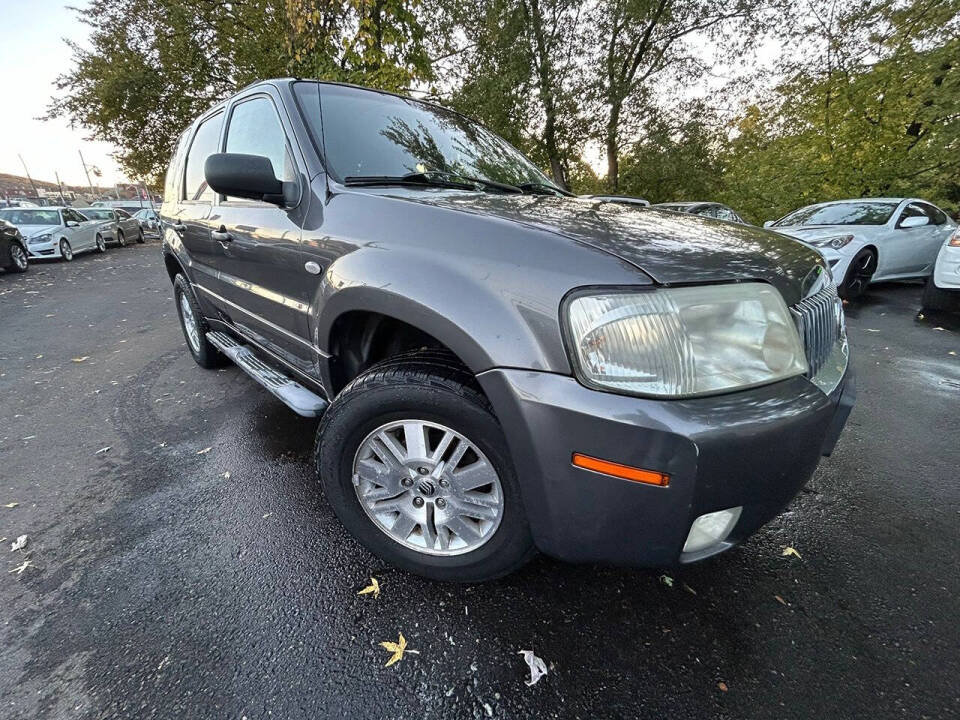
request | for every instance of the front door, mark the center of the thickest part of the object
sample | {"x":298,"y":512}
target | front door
{"x":912,"y":250}
{"x":261,"y":269}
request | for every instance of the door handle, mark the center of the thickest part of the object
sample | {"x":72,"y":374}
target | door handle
{"x":221,"y":235}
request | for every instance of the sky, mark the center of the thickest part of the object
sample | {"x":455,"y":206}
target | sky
{"x":32,"y":55}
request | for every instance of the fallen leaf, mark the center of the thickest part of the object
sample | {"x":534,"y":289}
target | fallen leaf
{"x":538,"y":668}
{"x":372,"y":589}
{"x":102,"y":450}
{"x":81,"y":359}
{"x":204,"y":451}
{"x":38,"y":357}
{"x":226,"y":475}
{"x":722,"y":686}
{"x":780,"y":600}
{"x":19,"y":544}
{"x":689,"y":589}
{"x":266,"y":515}
{"x":952,"y":352}
{"x":666,"y":580}
{"x":872,"y":330}
{"x":11,"y":505}
{"x":940,"y":329}
{"x":28,"y":563}
{"x":920,"y":316}
{"x":787,"y":551}
{"x":398,"y":649}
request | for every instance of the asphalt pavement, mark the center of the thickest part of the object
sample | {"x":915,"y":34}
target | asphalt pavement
{"x":183,"y":561}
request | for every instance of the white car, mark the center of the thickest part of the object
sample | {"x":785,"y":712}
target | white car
{"x":943,"y":288}
{"x":57,"y":232}
{"x":871,"y":239}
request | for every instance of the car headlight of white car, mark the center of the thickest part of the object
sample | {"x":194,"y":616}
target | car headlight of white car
{"x":680,"y":342}
{"x":41,"y":238}
{"x":834,"y":241}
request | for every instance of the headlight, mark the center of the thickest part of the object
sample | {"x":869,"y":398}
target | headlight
{"x":684,"y":341}
{"x":41,"y":238}
{"x":835,"y":241}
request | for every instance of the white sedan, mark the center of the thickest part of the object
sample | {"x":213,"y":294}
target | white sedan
{"x":57,"y":232}
{"x":871,"y":239}
{"x":943,"y":288}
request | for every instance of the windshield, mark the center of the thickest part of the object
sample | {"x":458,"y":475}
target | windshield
{"x":96,"y":214}
{"x":368,"y":134}
{"x":21,"y":216}
{"x":848,"y":213}
{"x":144,"y":215}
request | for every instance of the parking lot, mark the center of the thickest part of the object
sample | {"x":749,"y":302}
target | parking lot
{"x":183,"y":561}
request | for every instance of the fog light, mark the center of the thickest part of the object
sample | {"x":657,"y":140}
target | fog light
{"x":711,"y":529}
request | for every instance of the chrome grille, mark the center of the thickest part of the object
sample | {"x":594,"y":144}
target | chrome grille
{"x":818,"y":319}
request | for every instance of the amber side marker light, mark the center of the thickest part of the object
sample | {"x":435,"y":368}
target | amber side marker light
{"x":649,"y":477}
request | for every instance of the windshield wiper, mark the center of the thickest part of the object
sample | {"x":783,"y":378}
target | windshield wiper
{"x":422,"y":179}
{"x":539,"y":188}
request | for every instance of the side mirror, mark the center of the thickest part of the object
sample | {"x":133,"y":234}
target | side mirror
{"x":71,"y":223}
{"x":913,"y":222}
{"x":245,"y":176}
{"x":768,"y":223}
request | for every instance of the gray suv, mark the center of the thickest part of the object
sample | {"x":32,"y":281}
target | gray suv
{"x":500,"y":367}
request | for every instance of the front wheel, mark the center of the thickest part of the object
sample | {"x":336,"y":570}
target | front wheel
{"x":18,"y":258}
{"x":66,"y":252}
{"x":121,"y":239}
{"x":101,"y":245}
{"x":859,"y":275}
{"x":416,"y":467}
{"x":195,"y":327}
{"x":140,"y":239}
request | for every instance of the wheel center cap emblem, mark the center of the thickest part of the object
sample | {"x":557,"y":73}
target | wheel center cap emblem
{"x":426,"y":488}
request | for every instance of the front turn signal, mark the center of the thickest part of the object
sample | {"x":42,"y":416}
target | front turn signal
{"x":624,"y":472}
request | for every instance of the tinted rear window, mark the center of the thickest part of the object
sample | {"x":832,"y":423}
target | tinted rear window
{"x":851,"y":213}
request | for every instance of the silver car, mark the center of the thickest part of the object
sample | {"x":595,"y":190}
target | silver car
{"x":122,"y":226}
{"x":149,"y":221}
{"x":871,"y":239}
{"x":57,"y":232}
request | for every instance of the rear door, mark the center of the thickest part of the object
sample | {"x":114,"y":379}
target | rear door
{"x":261,"y":267}
{"x":190,"y":220}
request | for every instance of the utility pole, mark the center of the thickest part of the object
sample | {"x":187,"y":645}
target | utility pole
{"x":28,"y":176}
{"x":59,"y":187}
{"x":87,"y":172}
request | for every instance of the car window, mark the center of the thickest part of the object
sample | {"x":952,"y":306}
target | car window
{"x":123,"y":215}
{"x":205,"y":143}
{"x":74,"y":216}
{"x":936,"y":215}
{"x":725,"y":213}
{"x":21,"y":216}
{"x":92,"y":214}
{"x":255,"y":129}
{"x":711,"y":211}
{"x":171,"y":191}
{"x":911,"y":210}
{"x":868,"y":212}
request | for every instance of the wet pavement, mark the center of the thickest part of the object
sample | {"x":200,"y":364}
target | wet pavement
{"x":169,"y":580}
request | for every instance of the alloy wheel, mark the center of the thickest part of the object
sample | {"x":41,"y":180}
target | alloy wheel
{"x":101,"y":245}
{"x":66,"y":252}
{"x":190,"y":322}
{"x":19,"y":257}
{"x":428,"y":487}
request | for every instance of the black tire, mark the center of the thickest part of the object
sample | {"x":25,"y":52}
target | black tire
{"x":859,"y":275}
{"x":121,"y":239}
{"x":66,"y":252}
{"x":426,"y":386}
{"x":18,"y":260}
{"x":140,"y":238}
{"x":101,"y":245}
{"x":204,"y":353}
{"x":936,"y":299}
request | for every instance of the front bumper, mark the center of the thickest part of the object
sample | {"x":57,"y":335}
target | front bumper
{"x":755,"y":448}
{"x":46,"y":249}
{"x":946,"y":273}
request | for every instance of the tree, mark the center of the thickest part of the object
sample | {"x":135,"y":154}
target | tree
{"x":153,"y":65}
{"x":638,"y":40}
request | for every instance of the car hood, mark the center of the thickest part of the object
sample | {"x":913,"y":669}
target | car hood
{"x":29,"y":231}
{"x":672,"y":248}
{"x":813,"y":232}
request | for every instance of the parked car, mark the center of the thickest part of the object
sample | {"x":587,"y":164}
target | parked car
{"x":13,"y":248}
{"x":500,"y":367}
{"x":149,"y":222}
{"x":871,"y":239}
{"x":119,"y":226}
{"x":942,"y":291}
{"x":706,"y":209}
{"x":618,"y":199}
{"x":56,"y":232}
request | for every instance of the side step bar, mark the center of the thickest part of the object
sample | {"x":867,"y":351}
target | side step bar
{"x":298,"y":398}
